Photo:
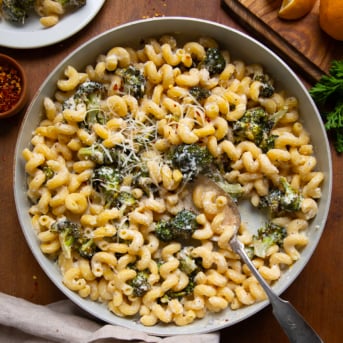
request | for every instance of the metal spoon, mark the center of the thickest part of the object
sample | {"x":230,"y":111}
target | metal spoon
{"x":293,"y":324}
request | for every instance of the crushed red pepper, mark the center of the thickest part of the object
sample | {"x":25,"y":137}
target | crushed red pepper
{"x":10,"y":87}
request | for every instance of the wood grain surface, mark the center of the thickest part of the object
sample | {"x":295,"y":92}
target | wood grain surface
{"x":301,"y":43}
{"x":316,"y":293}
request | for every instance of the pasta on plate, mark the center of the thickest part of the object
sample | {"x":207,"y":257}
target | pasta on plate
{"x":113,"y":159}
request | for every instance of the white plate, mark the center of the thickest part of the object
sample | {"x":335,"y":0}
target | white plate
{"x":33,"y":35}
{"x":241,"y":46}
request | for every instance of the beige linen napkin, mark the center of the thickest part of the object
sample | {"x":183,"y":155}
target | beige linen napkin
{"x":22,"y":321}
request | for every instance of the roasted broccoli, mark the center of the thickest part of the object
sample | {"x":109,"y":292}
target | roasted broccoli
{"x":107,"y":180}
{"x":125,"y":200}
{"x":235,"y":190}
{"x":65,"y":224}
{"x":267,"y":236}
{"x":72,"y":238}
{"x":133,"y":81}
{"x":266,"y":89}
{"x":256,"y":125}
{"x":140,"y":283}
{"x":121,"y":157}
{"x":13,"y":11}
{"x":72,"y":4}
{"x":99,"y":154}
{"x":69,"y":234}
{"x":188,"y":290}
{"x":86,"y":247}
{"x":214,"y":61}
{"x":199,"y":93}
{"x":180,"y":228}
{"x":48,"y":172}
{"x":184,"y":224}
{"x":142,"y":180}
{"x":191,"y":159}
{"x":284,"y":199}
{"x":89,"y":94}
{"x":163,"y":231}
{"x":188,"y":264}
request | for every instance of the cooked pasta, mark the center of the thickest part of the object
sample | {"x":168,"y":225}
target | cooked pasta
{"x":111,"y":167}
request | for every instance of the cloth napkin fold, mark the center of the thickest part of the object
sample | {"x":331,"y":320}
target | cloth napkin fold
{"x":24,"y":322}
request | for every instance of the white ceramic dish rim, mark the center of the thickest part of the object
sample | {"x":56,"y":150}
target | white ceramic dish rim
{"x":239,"y":45}
{"x":33,"y":35}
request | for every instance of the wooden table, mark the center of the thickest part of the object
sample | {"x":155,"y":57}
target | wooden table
{"x":316,"y":293}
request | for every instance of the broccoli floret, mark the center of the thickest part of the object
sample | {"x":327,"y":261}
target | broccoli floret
{"x":134,"y":81}
{"x":48,"y":172}
{"x":145,"y":183}
{"x":286,"y":199}
{"x":188,"y":290}
{"x":272,"y":232}
{"x":87,"y":247}
{"x":292,"y":199}
{"x":267,"y":89}
{"x":65,"y":224}
{"x":184,"y":224}
{"x":94,"y":153}
{"x":92,"y":117}
{"x":199,"y":93}
{"x":272,"y":201}
{"x":181,"y":227}
{"x":125,"y":200}
{"x":163,"y":231}
{"x":67,"y":241}
{"x":99,"y":154}
{"x":72,"y":4}
{"x":122,"y":157}
{"x":214,"y":61}
{"x":188,"y":264}
{"x":267,"y":236}
{"x":90,"y":94}
{"x":107,"y":180}
{"x":13,"y":11}
{"x":235,"y":190}
{"x":256,"y":125}
{"x":69,"y":234}
{"x":140,"y":284}
{"x":191,"y":159}
{"x":72,"y":239}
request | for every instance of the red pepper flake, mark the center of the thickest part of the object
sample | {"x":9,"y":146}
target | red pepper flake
{"x":10,"y":87}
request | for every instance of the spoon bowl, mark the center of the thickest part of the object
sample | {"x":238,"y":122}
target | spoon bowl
{"x":293,"y":324}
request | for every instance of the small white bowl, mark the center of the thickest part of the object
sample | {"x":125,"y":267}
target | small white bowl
{"x":240,"y":46}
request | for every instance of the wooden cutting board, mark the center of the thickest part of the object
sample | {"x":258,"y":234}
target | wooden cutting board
{"x":301,"y":43}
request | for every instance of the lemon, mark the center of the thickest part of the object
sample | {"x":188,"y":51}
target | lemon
{"x":295,"y":9}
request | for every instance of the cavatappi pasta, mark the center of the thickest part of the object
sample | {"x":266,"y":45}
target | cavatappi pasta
{"x":110,"y":163}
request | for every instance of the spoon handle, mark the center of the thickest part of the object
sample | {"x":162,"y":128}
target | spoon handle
{"x":293,"y":324}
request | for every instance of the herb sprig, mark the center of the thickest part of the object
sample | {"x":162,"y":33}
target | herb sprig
{"x":328,"y":95}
